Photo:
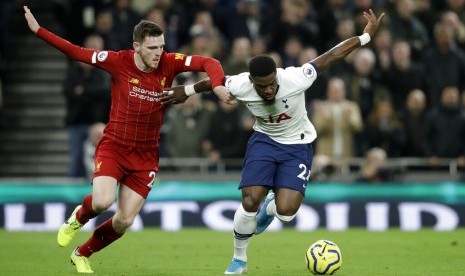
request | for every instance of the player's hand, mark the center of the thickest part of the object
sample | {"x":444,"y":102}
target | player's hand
{"x":224,"y":95}
{"x":373,"y":22}
{"x":31,"y":20}
{"x":173,"y":95}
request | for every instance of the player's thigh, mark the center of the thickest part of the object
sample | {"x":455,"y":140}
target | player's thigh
{"x":258,"y":172}
{"x":108,"y":173}
{"x":128,"y":205}
{"x":294,"y":168}
{"x":140,"y":181}
{"x":260,"y":161}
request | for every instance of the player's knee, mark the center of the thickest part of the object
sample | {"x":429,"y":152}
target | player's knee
{"x":285,"y":213}
{"x":121,"y":223}
{"x":250,"y":205}
{"x":100,"y":206}
{"x":285,"y":218}
{"x":286,"y":210}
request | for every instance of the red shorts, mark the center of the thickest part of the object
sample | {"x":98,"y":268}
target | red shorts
{"x":133,"y":167}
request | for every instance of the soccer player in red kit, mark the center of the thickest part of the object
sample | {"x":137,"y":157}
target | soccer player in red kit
{"x":128,"y":152}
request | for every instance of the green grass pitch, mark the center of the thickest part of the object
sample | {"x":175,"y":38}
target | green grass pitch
{"x":206,"y":252}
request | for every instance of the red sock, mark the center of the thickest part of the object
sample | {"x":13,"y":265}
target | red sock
{"x":102,"y":236}
{"x":86,"y":212}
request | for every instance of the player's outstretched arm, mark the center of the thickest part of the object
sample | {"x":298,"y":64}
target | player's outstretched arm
{"x":344,"y":48}
{"x":179,"y":94}
{"x":31,"y":20}
{"x":72,"y":51}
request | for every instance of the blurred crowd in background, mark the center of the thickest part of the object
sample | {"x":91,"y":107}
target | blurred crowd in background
{"x":403,"y":94}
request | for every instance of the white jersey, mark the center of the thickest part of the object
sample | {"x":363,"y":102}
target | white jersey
{"x":284,"y":121}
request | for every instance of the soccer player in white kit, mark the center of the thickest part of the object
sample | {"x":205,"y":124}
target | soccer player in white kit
{"x":279,"y":153}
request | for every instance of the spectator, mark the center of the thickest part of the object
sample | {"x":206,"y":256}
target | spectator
{"x":239,"y":58}
{"x":157,"y":15}
{"x":427,"y":15}
{"x":203,"y":26}
{"x":297,"y":20}
{"x":404,"y":25}
{"x":87,"y":93}
{"x":413,"y":119}
{"x":363,"y":84}
{"x":226,"y":136}
{"x":446,"y":128}
{"x":124,"y":20}
{"x":95,"y":134}
{"x":336,"y":120}
{"x":374,"y":169}
{"x":277,"y":59}
{"x":178,"y":17}
{"x":402,"y":75}
{"x":221,"y":12}
{"x":248,"y":22}
{"x":104,"y":28}
{"x":457,"y":6}
{"x":451,"y":20}
{"x":198,"y":45}
{"x":331,"y":13}
{"x":322,"y":168}
{"x":383,"y":129}
{"x":292,"y":49}
{"x":444,"y":65}
{"x":382,"y":48}
{"x":187,"y":127}
{"x":259,"y":47}
{"x":358,"y":8}
{"x":345,"y":29}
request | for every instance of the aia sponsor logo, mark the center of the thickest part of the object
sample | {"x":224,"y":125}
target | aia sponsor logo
{"x":275,"y":119}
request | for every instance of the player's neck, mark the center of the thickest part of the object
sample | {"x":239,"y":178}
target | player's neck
{"x":140,"y":63}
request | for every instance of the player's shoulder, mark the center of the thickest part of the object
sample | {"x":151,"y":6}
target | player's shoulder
{"x":237,"y":80}
{"x":170,"y":60}
{"x":306,"y":71}
{"x":122,"y":55}
{"x":173,"y":56}
{"x":238,"y":83}
{"x":106,"y":58}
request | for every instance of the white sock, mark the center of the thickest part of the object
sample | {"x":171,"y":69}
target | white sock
{"x":271,"y":211}
{"x":245,"y":224}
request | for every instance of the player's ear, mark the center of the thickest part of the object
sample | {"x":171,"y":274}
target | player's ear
{"x":136,"y":46}
{"x":250,"y":78}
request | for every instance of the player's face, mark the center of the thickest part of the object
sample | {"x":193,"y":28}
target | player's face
{"x":150,"y":50}
{"x":266,"y":87}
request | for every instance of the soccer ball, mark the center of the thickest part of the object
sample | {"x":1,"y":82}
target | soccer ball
{"x":323,"y":258}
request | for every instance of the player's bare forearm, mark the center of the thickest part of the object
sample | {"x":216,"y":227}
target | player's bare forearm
{"x":336,"y":53}
{"x":220,"y":91}
{"x":203,"y":85}
{"x":177,"y":94}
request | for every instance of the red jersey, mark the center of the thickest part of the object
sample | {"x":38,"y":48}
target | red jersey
{"x":136,"y":113}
